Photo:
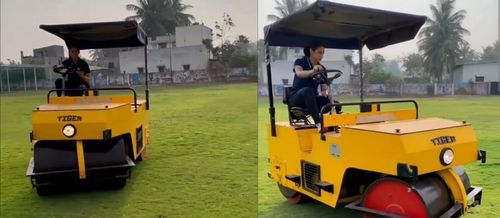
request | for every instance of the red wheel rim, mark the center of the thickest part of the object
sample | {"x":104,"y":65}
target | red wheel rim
{"x":296,"y":199}
{"x":394,"y":196}
{"x":292,"y":196}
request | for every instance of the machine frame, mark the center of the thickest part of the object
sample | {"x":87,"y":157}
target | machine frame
{"x":299,"y":157}
{"x":108,"y":133}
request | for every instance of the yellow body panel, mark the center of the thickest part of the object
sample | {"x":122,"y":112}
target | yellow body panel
{"x":368,"y":117}
{"x":121,"y":119}
{"x":81,"y":159}
{"x":91,"y":116}
{"x":373,"y":147}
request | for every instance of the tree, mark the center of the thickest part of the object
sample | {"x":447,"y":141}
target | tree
{"x":178,"y":8}
{"x":465,"y":53}
{"x":208,"y":44}
{"x":491,"y":53}
{"x":95,"y":55}
{"x":348,"y":59}
{"x":439,"y":40}
{"x":413,"y":65}
{"x":286,"y":7}
{"x":12,"y":62}
{"x":224,"y":27}
{"x":241,"y":56}
{"x":374,"y":70}
{"x":159,"y":17}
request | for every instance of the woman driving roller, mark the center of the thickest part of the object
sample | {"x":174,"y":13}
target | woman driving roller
{"x":304,"y":91}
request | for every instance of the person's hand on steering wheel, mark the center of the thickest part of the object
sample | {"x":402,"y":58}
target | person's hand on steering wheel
{"x":317,"y":69}
{"x":61,"y":69}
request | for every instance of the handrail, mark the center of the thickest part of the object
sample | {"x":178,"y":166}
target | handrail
{"x":95,"y":89}
{"x":324,"y":109}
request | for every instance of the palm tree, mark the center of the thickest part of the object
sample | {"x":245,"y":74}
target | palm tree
{"x":491,"y":53}
{"x":286,"y":7}
{"x":177,"y":15}
{"x":159,"y":17}
{"x":439,"y":41}
{"x":466,"y":54}
{"x":181,"y":18}
{"x":95,"y":55}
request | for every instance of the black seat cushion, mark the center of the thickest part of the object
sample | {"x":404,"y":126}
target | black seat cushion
{"x":298,"y":111}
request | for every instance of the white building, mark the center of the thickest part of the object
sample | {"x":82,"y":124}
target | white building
{"x":282,"y":70}
{"x":49,"y":56}
{"x":330,"y":54}
{"x":476,"y":72}
{"x":183,"y":52}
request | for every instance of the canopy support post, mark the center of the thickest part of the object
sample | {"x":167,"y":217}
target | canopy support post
{"x":146,"y":71}
{"x":270,"y":92}
{"x":361,"y":74}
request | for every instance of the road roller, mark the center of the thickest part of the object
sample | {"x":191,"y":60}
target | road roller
{"x":383,"y":159}
{"x":96,"y":136}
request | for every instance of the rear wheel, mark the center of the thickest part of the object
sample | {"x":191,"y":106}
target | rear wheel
{"x":117,"y":183}
{"x":426,"y":197}
{"x":292,"y":196}
{"x":44,"y":190}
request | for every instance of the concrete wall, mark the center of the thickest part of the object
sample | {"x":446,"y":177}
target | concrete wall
{"x":110,"y":55}
{"x":191,"y":35}
{"x":168,"y":41}
{"x":53,"y":51}
{"x":330,"y":54}
{"x":194,"y":56}
{"x":50,"y":55}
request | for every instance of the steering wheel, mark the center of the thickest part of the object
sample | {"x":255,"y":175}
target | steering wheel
{"x":61,"y":69}
{"x":323,"y":76}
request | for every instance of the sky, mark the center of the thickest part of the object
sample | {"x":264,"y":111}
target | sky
{"x":20,"y":19}
{"x":481,"y":20}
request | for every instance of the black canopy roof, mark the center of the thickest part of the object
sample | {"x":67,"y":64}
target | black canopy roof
{"x":343,"y":26}
{"x":99,"y":35}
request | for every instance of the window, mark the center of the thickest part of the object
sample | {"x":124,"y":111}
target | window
{"x":140,"y":69}
{"x":161,"y":68}
{"x":186,"y":66}
{"x":479,"y":78}
{"x":111,"y":65}
{"x":162,"y":45}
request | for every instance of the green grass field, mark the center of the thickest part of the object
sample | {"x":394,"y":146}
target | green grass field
{"x":202,"y":160}
{"x":482,"y":112}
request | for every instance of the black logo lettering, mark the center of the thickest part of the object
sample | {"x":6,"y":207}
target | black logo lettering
{"x":443,"y":140}
{"x":69,"y":118}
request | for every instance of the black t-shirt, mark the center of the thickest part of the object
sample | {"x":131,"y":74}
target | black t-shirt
{"x":73,"y":79}
{"x":299,"y":83}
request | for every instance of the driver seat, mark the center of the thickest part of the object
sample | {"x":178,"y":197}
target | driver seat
{"x":297,"y":116}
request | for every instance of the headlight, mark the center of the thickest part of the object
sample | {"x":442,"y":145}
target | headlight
{"x":446,"y":156}
{"x":69,"y":130}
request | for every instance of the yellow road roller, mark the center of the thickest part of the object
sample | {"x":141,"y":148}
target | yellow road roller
{"x":92,"y":136}
{"x":383,"y":162}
